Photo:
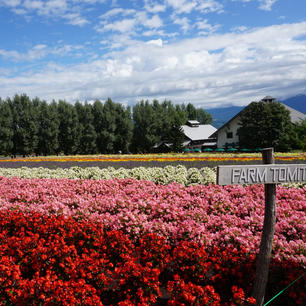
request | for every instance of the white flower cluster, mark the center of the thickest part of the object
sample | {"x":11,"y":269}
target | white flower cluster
{"x":158,"y":175}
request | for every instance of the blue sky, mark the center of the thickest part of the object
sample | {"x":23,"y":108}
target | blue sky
{"x":208,"y":52}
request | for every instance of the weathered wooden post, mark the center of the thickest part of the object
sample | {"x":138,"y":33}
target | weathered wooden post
{"x":269,"y":174}
{"x":263,"y":261}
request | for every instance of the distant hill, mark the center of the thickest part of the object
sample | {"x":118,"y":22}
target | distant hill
{"x":297,"y":102}
{"x":222,"y":115}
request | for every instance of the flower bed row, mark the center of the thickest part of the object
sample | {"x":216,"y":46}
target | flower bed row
{"x":179,"y":174}
{"x":52,"y":260}
{"x":209,"y":215}
{"x":158,"y":175}
{"x":160,"y":157}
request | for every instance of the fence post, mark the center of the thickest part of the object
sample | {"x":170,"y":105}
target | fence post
{"x":262,"y":267}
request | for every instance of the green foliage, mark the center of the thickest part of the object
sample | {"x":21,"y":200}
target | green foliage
{"x":88,"y":135}
{"x":198,"y":114}
{"x":34,"y":126}
{"x":97,"y":111}
{"x":298,"y":136}
{"x":69,"y":136}
{"x":265,"y":125}
{"x":6,"y":129}
{"x":48,"y":129}
{"x":146,"y":121}
{"x":115,"y":128}
{"x":157,"y":122}
{"x":25,"y":125}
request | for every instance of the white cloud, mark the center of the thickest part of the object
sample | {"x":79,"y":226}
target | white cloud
{"x":205,"y":27}
{"x":122,"y":26}
{"x":182,"y":6}
{"x":156,"y":42}
{"x":117,"y":11}
{"x":39,"y":51}
{"x":208,"y":6}
{"x":187,"y":6}
{"x":75,"y":19}
{"x":64,"y":9}
{"x":184,"y":22}
{"x":154,"y":22}
{"x":153,"y":7}
{"x":208,"y":71}
{"x":266,"y":4}
{"x":132,"y":25}
{"x":10,"y":3}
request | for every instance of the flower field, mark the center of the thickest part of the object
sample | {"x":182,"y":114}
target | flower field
{"x":143,"y":235}
{"x":132,"y":242}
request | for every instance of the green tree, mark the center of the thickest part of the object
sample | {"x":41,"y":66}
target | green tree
{"x":124,"y":129}
{"x":157,"y":122}
{"x":69,"y":135}
{"x":192,"y":113}
{"x":265,"y":124}
{"x":108,"y":127}
{"x":203,"y":117}
{"x":298,"y":138}
{"x":145,"y":127}
{"x":48,"y":129}
{"x":6,"y":129}
{"x":88,"y":135}
{"x":97,"y":111}
{"x":25,"y":125}
{"x":199,"y":114}
{"x":175,"y":133}
{"x":172,"y":120}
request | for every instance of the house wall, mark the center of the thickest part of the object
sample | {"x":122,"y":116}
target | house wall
{"x":230,"y":127}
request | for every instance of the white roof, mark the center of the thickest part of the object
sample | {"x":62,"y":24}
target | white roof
{"x":203,"y":131}
{"x":295,"y":115}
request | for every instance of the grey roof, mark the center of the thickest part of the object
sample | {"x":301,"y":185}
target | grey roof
{"x":203,"y":131}
{"x":193,"y":122}
{"x":295,"y":115}
{"x":267,"y":98}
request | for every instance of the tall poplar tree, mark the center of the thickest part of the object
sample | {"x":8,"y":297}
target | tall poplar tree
{"x":6,"y":129}
{"x":48,"y":129}
{"x":97,"y":111}
{"x":145,"y":126}
{"x":69,"y":128}
{"x":88,"y":135}
{"x":25,"y":125}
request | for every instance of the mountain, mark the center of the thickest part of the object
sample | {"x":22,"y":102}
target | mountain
{"x":297,"y":102}
{"x":224,"y":114}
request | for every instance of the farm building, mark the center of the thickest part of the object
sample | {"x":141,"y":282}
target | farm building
{"x":227,"y":135}
{"x":197,"y":136}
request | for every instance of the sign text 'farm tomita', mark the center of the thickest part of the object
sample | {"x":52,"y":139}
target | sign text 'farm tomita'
{"x":261,"y":174}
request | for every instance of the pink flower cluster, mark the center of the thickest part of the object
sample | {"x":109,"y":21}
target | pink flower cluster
{"x":209,"y":215}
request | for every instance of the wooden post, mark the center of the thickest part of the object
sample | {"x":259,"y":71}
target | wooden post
{"x":262,"y":268}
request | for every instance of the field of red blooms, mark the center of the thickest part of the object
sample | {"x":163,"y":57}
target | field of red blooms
{"x":129,"y":242}
{"x":53,"y":260}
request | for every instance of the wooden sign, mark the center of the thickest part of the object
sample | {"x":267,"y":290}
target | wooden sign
{"x":268,"y":174}
{"x":261,"y":174}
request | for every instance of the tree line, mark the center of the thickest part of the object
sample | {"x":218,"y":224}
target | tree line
{"x":33,"y":126}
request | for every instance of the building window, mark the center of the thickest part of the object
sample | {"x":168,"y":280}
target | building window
{"x":229,"y":135}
